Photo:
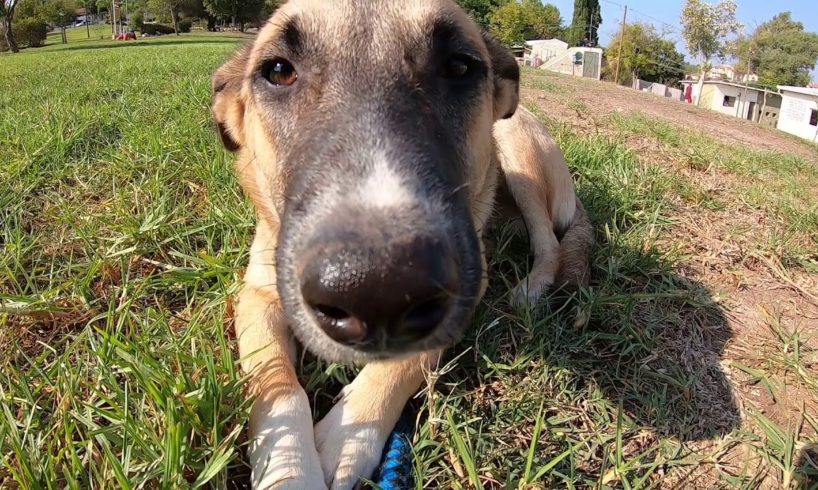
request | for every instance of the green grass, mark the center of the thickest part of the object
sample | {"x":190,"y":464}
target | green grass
{"x":122,"y":237}
{"x":780,"y":185}
{"x":94,"y":32}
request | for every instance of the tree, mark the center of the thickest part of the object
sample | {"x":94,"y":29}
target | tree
{"x":516,"y":22}
{"x":480,"y":10}
{"x":58,"y":13}
{"x":705,"y":29}
{"x":7,"y":8}
{"x":172,"y":7}
{"x":236,"y":11}
{"x":779,"y":51}
{"x":269,"y":8}
{"x":585,"y":23}
{"x":645,"y":55}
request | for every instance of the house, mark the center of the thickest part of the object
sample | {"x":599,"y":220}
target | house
{"x":799,"y":112}
{"x":555,"y":55}
{"x":751,"y":103}
{"x":727,"y":73}
{"x":541,"y":51}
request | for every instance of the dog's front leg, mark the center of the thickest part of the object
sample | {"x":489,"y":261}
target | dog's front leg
{"x":282,"y":448}
{"x":352,"y":436}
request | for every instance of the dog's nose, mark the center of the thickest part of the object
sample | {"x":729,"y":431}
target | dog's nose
{"x":399,"y":292}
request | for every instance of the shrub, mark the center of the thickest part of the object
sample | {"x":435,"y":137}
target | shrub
{"x":28,"y":32}
{"x":137,"y":22}
{"x":185,"y":25}
{"x":154,"y":29}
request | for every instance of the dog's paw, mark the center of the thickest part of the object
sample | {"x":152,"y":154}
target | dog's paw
{"x":350,"y":443}
{"x":529,"y":292}
{"x":282,"y":451}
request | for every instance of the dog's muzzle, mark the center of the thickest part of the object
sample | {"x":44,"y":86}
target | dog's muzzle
{"x":373,"y":293}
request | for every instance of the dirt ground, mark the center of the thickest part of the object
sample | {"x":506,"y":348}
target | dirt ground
{"x":607,"y":98}
{"x":766,"y":302}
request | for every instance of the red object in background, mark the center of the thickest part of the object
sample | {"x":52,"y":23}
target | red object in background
{"x":689,"y":94}
{"x":125,"y":36}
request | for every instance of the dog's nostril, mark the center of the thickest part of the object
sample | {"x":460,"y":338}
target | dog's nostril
{"x":422,"y":319}
{"x":330,"y":312}
{"x":339,"y":325}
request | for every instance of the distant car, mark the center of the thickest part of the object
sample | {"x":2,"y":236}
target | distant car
{"x":79,"y":23}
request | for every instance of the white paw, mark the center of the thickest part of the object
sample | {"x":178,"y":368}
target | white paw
{"x":350,"y":445}
{"x":282,"y":451}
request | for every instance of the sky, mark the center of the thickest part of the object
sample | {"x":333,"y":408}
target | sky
{"x":750,"y":13}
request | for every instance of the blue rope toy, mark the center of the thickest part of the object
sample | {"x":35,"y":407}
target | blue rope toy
{"x":396,"y":471}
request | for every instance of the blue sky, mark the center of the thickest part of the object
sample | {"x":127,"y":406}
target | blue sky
{"x":750,"y":13}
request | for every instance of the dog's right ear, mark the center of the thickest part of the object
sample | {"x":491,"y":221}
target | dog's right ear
{"x":506,"y":78}
{"x":226,"y":99}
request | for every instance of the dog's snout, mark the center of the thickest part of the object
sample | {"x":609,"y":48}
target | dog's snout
{"x":360,"y":293}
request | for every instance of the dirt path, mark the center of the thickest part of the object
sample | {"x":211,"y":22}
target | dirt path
{"x":607,"y":98}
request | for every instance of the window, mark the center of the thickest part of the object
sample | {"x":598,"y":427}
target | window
{"x":729,"y":101}
{"x":813,"y":118}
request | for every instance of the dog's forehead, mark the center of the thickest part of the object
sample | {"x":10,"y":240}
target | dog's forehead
{"x":378,"y":27}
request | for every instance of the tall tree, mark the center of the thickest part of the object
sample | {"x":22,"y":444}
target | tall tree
{"x":58,"y":13}
{"x":645,"y":55}
{"x":705,"y":29}
{"x":516,"y":21}
{"x":236,"y":11}
{"x":480,"y":10}
{"x":7,"y":8}
{"x":585,"y":23}
{"x":172,"y":7}
{"x":779,"y":51}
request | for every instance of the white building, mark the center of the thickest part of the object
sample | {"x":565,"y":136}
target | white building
{"x":728,"y":72}
{"x":799,"y":112}
{"x":555,"y":55}
{"x":543,"y":50}
{"x":732,"y":99}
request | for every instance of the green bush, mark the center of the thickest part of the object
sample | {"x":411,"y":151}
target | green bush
{"x":137,"y":22}
{"x":154,"y":29}
{"x":28,"y":32}
{"x":185,"y":25}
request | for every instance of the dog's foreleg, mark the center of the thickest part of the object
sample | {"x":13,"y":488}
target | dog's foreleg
{"x":352,"y":436}
{"x":529,"y":195}
{"x":282,"y":446}
{"x":546,"y":249}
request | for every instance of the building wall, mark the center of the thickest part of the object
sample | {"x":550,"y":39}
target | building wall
{"x":546,"y":50}
{"x":794,"y":117}
{"x":565,"y":62}
{"x":768,"y":112}
{"x":740,"y":102}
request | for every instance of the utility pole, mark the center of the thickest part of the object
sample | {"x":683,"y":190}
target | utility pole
{"x":747,"y":82}
{"x":621,"y":38}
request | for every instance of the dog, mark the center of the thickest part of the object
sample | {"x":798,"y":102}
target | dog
{"x":375,"y":140}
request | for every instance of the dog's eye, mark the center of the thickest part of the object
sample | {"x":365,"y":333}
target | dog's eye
{"x":458,"y":67}
{"x":280,"y":72}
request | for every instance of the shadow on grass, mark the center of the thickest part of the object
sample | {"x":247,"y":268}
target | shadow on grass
{"x":806,"y":467}
{"x":643,"y":336}
{"x":620,"y":370}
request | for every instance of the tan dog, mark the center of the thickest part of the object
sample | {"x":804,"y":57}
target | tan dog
{"x":366,"y":138}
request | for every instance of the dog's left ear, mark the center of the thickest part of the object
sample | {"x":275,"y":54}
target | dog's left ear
{"x":506,"y":78}
{"x":226,"y":101}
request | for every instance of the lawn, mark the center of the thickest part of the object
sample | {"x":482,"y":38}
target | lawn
{"x":94,"y":32}
{"x":691,"y":361}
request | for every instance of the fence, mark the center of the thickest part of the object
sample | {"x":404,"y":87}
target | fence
{"x":658,"y":89}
